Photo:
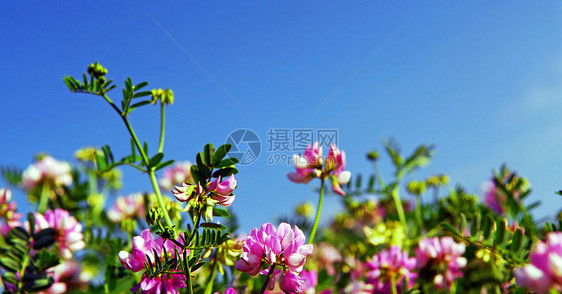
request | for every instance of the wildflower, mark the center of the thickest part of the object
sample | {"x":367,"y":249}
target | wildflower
{"x":49,"y":171}
{"x":179,"y":173}
{"x":327,"y":256}
{"x":222,"y":191}
{"x":442,"y":255}
{"x":390,"y":266}
{"x":545,"y":270}
{"x":68,"y":275}
{"x":11,"y":218}
{"x":310,"y":279}
{"x":68,"y":231}
{"x":143,"y":251}
{"x":127,"y":207}
{"x":275,"y":247}
{"x":312,"y":165}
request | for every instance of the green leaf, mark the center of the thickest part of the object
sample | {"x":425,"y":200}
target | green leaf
{"x":225,"y":172}
{"x":501,"y":232}
{"x":220,"y":153}
{"x":39,"y":284}
{"x":214,"y":226}
{"x":155,"y":160}
{"x":475,"y":227}
{"x":164,"y":164}
{"x":44,"y":238}
{"x":221,"y":212}
{"x":46,"y":260}
{"x":516,"y":241}
{"x":140,"y":86}
{"x":11,"y":278}
{"x":209,"y":153}
{"x":197,"y":266}
{"x":142,"y":94}
{"x":230,"y":161}
{"x":10,"y":264}
{"x":447,"y":226}
{"x":138,"y":104}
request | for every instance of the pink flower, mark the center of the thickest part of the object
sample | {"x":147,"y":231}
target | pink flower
{"x":143,"y":251}
{"x":127,"y":207}
{"x":310,"y":280}
{"x":68,"y":231}
{"x":291,"y":283}
{"x":47,"y":170}
{"x":388,"y":264}
{"x":11,"y":218}
{"x":312,"y":165}
{"x":68,"y":275}
{"x":327,"y":256}
{"x":268,"y":245}
{"x":179,"y":173}
{"x":545,"y":270}
{"x":222,"y":191}
{"x":443,"y":256}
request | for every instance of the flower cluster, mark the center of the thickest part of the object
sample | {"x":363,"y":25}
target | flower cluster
{"x":442,"y":255}
{"x":391,"y":266}
{"x":204,"y":198}
{"x":127,"y":207}
{"x":10,"y":218}
{"x":545,"y":270}
{"x":313,"y":165}
{"x":144,"y":248}
{"x":49,"y":171}
{"x":179,"y":173}
{"x":68,"y":231}
{"x":281,"y":246}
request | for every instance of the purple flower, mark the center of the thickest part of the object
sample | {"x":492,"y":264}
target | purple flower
{"x":127,"y":207}
{"x":444,"y":256}
{"x":68,"y":231}
{"x":11,"y":218}
{"x":179,"y":173}
{"x":143,"y":249}
{"x":391,"y":264}
{"x":47,"y":170}
{"x":222,"y":191}
{"x":312,"y":165}
{"x":274,"y":246}
{"x":545,"y":270}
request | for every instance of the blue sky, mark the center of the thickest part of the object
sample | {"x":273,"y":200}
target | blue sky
{"x":480,"y":80}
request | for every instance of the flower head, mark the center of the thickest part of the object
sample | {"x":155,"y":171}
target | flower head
{"x":391,"y":264}
{"x":11,"y":218}
{"x":47,"y":170}
{"x":545,"y":270}
{"x":222,"y":191}
{"x":143,"y":251}
{"x":68,"y":231}
{"x":444,"y":256}
{"x":127,"y":207}
{"x":179,"y":173}
{"x":274,"y":246}
{"x":313,"y":165}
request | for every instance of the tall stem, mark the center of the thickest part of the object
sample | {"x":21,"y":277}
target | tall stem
{"x":399,"y":208}
{"x":419,"y":213}
{"x":187,"y":272}
{"x":22,"y":272}
{"x":264,"y":286}
{"x":318,"y":211}
{"x":393,"y":284}
{"x":159,"y":196}
{"x":43,"y":198}
{"x":162,"y":128}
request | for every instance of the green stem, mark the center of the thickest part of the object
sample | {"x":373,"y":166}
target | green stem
{"x":379,"y":176}
{"x":399,"y":208}
{"x":419,"y":213}
{"x":318,"y":211}
{"x":159,"y":197}
{"x":393,"y":284}
{"x":22,"y":272}
{"x":187,"y":273}
{"x":264,"y":286}
{"x":43,"y":199}
{"x":162,"y":127}
{"x":211,"y":280}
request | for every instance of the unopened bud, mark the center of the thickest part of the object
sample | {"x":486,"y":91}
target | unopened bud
{"x":416,"y":187}
{"x":154,"y":216}
{"x":373,"y":155}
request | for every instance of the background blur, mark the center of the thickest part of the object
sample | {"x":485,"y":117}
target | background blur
{"x":480,"y":80}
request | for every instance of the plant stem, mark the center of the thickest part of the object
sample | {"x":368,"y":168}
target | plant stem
{"x":399,"y":208}
{"x":187,"y":273}
{"x":419,"y":213}
{"x":211,"y":280}
{"x":22,"y":272}
{"x":393,"y":284}
{"x":159,"y":196}
{"x":318,"y":211}
{"x":162,"y":127}
{"x":264,"y":286}
{"x":43,"y":198}
{"x":379,"y":175}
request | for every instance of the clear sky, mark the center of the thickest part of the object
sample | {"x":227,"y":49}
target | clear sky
{"x":480,"y":80}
